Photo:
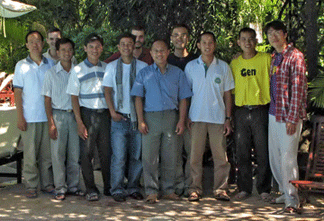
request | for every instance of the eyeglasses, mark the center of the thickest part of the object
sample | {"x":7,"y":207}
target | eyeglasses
{"x":183,"y":35}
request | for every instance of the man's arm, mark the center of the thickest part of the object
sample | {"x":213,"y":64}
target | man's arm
{"x":110,"y":103}
{"x":52,"y":131}
{"x":142,"y":126}
{"x":82,"y":130}
{"x":182,"y":116}
{"x":21,"y":123}
{"x":228,"y":112}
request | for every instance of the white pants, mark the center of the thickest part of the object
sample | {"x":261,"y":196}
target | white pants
{"x":283,"y":150}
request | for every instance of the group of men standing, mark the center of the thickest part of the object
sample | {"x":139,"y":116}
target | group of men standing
{"x":150,"y":110}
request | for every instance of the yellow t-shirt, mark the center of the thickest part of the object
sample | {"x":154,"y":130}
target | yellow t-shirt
{"x":251,"y":76}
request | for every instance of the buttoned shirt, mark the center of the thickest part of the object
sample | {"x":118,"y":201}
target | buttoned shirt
{"x":208,"y":86}
{"x":55,"y":61}
{"x":55,"y":84}
{"x":161,"y":91}
{"x":109,"y":80}
{"x":291,"y":84}
{"x":29,"y":77}
{"x":86,"y":82}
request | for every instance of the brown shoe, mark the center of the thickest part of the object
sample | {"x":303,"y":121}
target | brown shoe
{"x":151,"y":199}
{"x":222,"y":196}
{"x":171,"y":196}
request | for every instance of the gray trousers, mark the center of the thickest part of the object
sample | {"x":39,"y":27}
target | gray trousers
{"x":98,"y":126}
{"x":65,"y":153}
{"x":37,"y":156}
{"x":160,"y":143}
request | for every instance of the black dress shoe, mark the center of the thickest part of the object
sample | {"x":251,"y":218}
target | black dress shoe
{"x":107,"y":193}
{"x":118,"y":197}
{"x":136,"y":196}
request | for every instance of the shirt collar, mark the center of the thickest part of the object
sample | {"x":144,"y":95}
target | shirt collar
{"x":200,"y":61}
{"x":59,"y":67}
{"x":44,"y":60}
{"x":157,"y":68}
{"x":285,"y":50}
{"x":88,"y":64}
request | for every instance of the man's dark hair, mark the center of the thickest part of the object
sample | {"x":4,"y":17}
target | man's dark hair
{"x":53,"y":29}
{"x":62,"y":41}
{"x":32,"y":32}
{"x":206,"y":33}
{"x":93,"y":37}
{"x":180,"y":26}
{"x":276,"y":25}
{"x":126,"y":35}
{"x":249,"y":30}
{"x":163,"y":40}
{"x":138,"y":28}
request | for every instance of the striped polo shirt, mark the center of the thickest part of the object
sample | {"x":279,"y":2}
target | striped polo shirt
{"x":55,"y":84}
{"x":86,"y":82}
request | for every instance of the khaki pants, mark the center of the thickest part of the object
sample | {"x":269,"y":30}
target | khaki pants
{"x":217,"y":145}
{"x":37,"y":156}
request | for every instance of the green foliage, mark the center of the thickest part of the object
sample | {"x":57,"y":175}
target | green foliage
{"x":316,"y":93}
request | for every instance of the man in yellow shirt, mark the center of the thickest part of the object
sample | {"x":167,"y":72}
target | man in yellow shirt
{"x":252,"y":96}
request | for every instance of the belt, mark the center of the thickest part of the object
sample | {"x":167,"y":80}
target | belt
{"x":68,"y":110}
{"x":251,"y":107}
{"x":125,"y":115}
{"x":99,"y":111}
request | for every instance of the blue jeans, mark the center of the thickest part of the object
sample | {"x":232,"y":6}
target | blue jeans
{"x":125,"y":142}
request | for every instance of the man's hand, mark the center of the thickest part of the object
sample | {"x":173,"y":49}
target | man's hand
{"x":117,"y":117}
{"x":143,"y":128}
{"x":227,"y":128}
{"x":189,"y":124}
{"x":82,"y":131}
{"x":180,"y":128}
{"x":22,"y":124}
{"x":52,"y":131}
{"x":291,"y":128}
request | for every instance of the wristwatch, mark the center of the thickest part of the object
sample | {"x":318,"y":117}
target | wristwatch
{"x":228,"y":118}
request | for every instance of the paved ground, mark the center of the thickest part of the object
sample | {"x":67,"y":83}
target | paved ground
{"x":15,"y":206}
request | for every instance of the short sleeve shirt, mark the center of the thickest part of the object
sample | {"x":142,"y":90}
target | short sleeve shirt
{"x":55,"y":84}
{"x":161,"y":91}
{"x":109,"y":80}
{"x":86,"y":82}
{"x":208,"y":87}
{"x":29,"y":77}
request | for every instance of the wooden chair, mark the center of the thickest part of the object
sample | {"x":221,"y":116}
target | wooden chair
{"x":6,"y":91}
{"x":314,"y":180}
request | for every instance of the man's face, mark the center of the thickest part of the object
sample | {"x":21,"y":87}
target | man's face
{"x":93,"y":50}
{"x":247,"y":41}
{"x":34,"y":44}
{"x":277,"y":38}
{"x":52,"y":37}
{"x":180,"y":38}
{"x":126,"y":47}
{"x":65,"y":53}
{"x":207,"y":45}
{"x":139,"y":38}
{"x":160,"y":52}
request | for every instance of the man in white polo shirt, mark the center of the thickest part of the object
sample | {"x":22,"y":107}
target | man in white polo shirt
{"x":91,"y":114}
{"x":210,"y":113}
{"x":63,"y":130}
{"x":32,"y":121}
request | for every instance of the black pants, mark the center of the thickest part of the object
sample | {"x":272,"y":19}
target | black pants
{"x":98,"y":126}
{"x":251,"y":130}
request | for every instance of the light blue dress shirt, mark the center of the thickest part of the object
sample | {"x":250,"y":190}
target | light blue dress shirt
{"x":161,"y":91}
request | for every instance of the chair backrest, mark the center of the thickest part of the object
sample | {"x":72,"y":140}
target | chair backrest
{"x":315,"y":166}
{"x":6,"y":82}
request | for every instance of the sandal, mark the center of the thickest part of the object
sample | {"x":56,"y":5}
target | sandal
{"x":242,"y":195}
{"x":59,"y":196}
{"x":290,"y":209}
{"x":31,"y":194}
{"x":76,"y":193}
{"x":266,"y":197}
{"x":194,"y":197}
{"x":151,"y":199}
{"x":92,"y":196}
{"x":222,"y":196}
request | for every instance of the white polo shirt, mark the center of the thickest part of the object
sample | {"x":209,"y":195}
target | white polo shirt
{"x":55,"y":84}
{"x":110,"y":81}
{"x":29,"y":77}
{"x":86,"y":82}
{"x":208,"y":87}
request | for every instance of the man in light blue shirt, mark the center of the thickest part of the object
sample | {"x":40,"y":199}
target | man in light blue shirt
{"x":164,"y":89}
